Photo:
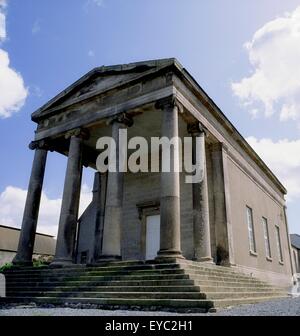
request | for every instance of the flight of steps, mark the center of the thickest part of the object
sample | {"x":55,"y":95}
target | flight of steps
{"x":177,"y":285}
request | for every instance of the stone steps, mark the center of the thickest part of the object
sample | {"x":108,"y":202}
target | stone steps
{"x":30,"y":284}
{"x":143,"y":269}
{"x":154,"y":275}
{"x":152,"y":295}
{"x":240,"y":295}
{"x":142,"y":288}
{"x":180,"y":284}
{"x":200,"y":276}
{"x":95,"y":278}
{"x":100,"y":289}
{"x":122,"y":295}
{"x":131,"y":267}
{"x":136,"y":286}
{"x":238,"y":288}
{"x":222,"y":303}
{"x":189,"y":306}
{"x":117,"y":303}
{"x":160,"y":293}
{"x":88,"y":273}
{"x":228,"y":284}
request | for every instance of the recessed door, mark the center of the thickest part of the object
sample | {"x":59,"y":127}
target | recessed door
{"x":152,"y":236}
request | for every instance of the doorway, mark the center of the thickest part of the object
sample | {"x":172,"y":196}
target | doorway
{"x":152,"y":236}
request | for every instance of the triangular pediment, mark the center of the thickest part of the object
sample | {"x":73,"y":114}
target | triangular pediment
{"x":99,"y":80}
{"x":97,"y":84}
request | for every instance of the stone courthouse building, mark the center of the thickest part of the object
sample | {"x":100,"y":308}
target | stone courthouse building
{"x":235,"y":216}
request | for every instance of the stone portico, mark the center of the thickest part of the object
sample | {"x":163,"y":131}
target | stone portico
{"x":202,"y":221}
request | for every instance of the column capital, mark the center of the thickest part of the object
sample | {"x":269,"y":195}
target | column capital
{"x":41,"y":144}
{"x":122,"y":118}
{"x":168,"y":103}
{"x":82,"y":133}
{"x":196,"y":128}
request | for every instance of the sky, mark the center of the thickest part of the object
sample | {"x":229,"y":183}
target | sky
{"x":244,"y":54}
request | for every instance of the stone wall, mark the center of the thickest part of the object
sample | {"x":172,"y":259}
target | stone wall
{"x":245,"y":191}
{"x":6,"y":257}
{"x":145,"y":187}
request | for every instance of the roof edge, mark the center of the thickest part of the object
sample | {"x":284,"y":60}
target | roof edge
{"x":18,"y":229}
{"x":101,"y":70}
{"x":247,"y":147}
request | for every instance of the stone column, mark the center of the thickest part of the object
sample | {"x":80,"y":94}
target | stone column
{"x":222,"y":209}
{"x":201,"y":227}
{"x":99,"y":191}
{"x":111,"y":246}
{"x":170,"y":245}
{"x":70,"y":201}
{"x":32,"y":205}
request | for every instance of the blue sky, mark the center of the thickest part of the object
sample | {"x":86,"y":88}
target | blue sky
{"x":50,"y":44}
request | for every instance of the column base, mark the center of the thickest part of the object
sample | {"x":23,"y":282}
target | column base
{"x":104,"y":258}
{"x":22,"y":263}
{"x":169,"y":254}
{"x":208,"y":260}
{"x":61,"y":263}
{"x":226,"y":264}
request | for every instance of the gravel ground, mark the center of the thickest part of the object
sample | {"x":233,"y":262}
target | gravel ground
{"x":279,"y":307}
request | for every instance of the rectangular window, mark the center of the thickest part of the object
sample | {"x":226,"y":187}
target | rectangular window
{"x":279,"y":248}
{"x":266,"y":237}
{"x":251,"y":230}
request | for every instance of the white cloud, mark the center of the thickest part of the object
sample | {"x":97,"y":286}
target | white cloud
{"x":12,"y":201}
{"x":283,"y":158}
{"x":12,"y":90}
{"x":274,"y":53}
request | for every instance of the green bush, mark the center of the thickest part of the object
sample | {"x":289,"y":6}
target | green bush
{"x":41,"y":261}
{"x":6,"y":266}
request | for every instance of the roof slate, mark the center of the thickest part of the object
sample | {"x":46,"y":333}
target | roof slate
{"x":295,"y":240}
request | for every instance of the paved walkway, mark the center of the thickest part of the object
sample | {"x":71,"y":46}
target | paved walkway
{"x":279,"y":307}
